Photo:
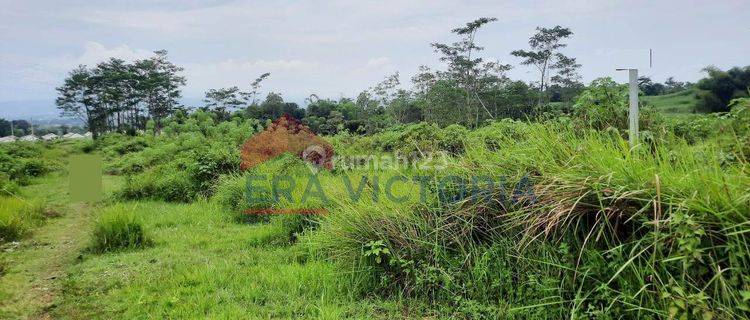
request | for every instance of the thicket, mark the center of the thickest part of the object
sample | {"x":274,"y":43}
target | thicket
{"x":22,"y":161}
{"x":182,"y":163}
{"x":716,"y":91}
{"x":654,"y":231}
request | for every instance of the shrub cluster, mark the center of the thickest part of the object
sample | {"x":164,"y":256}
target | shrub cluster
{"x":21,"y":161}
{"x":655,"y":231}
{"x":181,"y":164}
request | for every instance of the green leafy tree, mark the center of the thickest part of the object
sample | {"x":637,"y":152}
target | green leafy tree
{"x":223,"y":101}
{"x":671,"y":85}
{"x":649,"y":87}
{"x":468,"y":71}
{"x":159,"y":85}
{"x":77,"y":98}
{"x":5,"y":128}
{"x":119,"y":96}
{"x":252,"y":95}
{"x":717,"y":90}
{"x":544,"y":54}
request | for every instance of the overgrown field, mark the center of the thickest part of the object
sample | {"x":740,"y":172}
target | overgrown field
{"x":575,"y":224}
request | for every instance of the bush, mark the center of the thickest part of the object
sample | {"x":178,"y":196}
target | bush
{"x":177,"y":172}
{"x":231,"y":194}
{"x":116,"y":144}
{"x":454,"y":137}
{"x":118,"y":228}
{"x":21,"y":161}
{"x":696,"y":128}
{"x":604,"y":104}
{"x":17,"y":217}
{"x":210,"y":163}
{"x":231,"y":191}
{"x":170,"y":182}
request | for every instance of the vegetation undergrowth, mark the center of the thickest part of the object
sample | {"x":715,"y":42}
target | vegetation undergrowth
{"x":578,"y":223}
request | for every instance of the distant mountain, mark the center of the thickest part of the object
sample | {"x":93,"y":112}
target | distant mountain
{"x":29,"y":109}
{"x":45,"y":111}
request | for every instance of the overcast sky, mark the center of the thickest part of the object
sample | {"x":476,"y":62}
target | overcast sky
{"x":335,"y":48}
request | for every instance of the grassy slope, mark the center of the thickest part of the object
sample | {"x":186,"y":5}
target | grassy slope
{"x":677,"y":103}
{"x":36,"y":264}
{"x":201,"y":266}
{"x":28,"y":286}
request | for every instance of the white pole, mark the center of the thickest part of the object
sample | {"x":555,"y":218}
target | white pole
{"x":633,"y":112}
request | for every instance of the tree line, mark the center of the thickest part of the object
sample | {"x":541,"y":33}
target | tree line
{"x":119,"y":96}
{"x":468,"y":89}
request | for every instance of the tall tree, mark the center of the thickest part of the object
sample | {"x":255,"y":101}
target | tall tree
{"x":469,"y":72}
{"x":223,"y":101}
{"x":77,"y":98}
{"x":544,"y":53}
{"x":160,"y":85}
{"x":5,"y":129}
{"x":252,"y":95}
{"x":119,"y":96}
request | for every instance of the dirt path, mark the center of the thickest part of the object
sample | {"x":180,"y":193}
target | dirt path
{"x":36,"y":266}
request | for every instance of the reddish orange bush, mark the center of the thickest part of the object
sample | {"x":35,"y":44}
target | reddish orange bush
{"x":286,"y":134}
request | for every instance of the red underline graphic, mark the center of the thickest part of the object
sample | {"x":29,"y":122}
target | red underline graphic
{"x":285,"y":211}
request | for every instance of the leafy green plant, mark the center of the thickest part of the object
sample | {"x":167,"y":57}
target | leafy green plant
{"x":604,"y":104}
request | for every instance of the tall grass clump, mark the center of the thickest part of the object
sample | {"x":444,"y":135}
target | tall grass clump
{"x":17,"y":217}
{"x":654,"y":231}
{"x":118,"y":228}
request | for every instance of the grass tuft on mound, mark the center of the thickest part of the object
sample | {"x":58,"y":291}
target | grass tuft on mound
{"x":17,"y":217}
{"x":118,"y":228}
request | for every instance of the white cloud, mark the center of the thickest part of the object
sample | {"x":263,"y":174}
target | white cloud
{"x":286,"y":74}
{"x":95,"y":52}
{"x":29,"y":74}
{"x":377,"y":62}
{"x":343,"y":46}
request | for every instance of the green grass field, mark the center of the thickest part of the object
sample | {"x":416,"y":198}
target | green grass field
{"x":678,"y":103}
{"x":201,"y":265}
{"x":599,"y":229}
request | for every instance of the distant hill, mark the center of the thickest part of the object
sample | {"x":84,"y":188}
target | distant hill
{"x":27,"y":109}
{"x":45,"y":111}
{"x":682,"y":102}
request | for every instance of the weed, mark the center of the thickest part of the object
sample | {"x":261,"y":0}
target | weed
{"x":17,"y":217}
{"x":118,"y":228}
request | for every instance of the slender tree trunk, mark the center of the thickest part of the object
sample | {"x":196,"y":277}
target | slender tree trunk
{"x":541,"y":84}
